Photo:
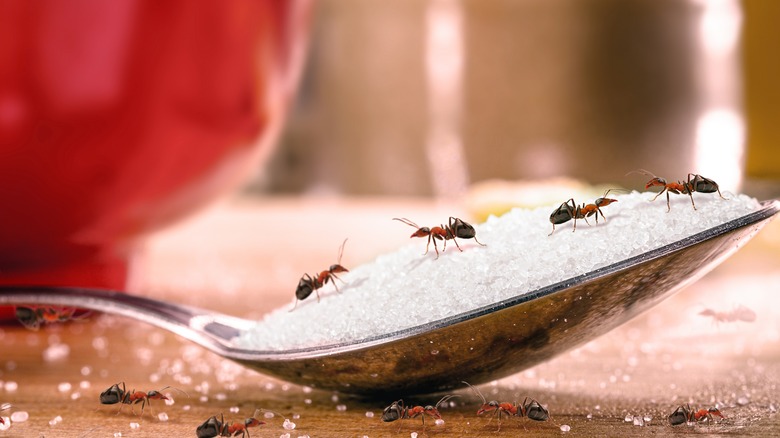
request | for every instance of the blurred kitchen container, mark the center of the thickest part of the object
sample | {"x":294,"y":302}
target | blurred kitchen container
{"x":119,"y":117}
{"x":426,"y":97}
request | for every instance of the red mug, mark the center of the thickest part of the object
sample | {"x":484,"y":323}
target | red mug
{"x":119,"y":117}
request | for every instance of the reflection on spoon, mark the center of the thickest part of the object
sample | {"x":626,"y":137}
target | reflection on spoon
{"x":477,"y":346}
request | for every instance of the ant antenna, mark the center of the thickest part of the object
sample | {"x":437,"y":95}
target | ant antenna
{"x":406,"y":221}
{"x":476,"y":391}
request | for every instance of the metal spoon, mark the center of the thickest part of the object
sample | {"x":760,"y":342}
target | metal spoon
{"x":476,"y":346}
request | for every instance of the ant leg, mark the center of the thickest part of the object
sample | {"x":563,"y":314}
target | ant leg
{"x":659,"y":194}
{"x":551,"y":232}
{"x":668,"y":205}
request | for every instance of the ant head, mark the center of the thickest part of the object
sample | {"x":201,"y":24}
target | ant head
{"x":488,"y":407}
{"x":156,"y":395}
{"x":337,"y":269}
{"x":209,"y":428}
{"x":601,"y":202}
{"x":421,"y":232}
{"x":655,"y":182}
{"x":253,"y":422}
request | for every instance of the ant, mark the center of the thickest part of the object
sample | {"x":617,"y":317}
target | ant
{"x":3,"y":407}
{"x":684,"y":414}
{"x":456,"y":227}
{"x":214,"y":427}
{"x":570,"y":210}
{"x":309,"y":284}
{"x":741,"y":313}
{"x":34,"y":317}
{"x":528,"y":408}
{"x":398,"y":411}
{"x":114,"y":394}
{"x":695,"y":183}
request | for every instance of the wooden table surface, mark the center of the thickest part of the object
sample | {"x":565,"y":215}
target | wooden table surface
{"x":244,"y":258}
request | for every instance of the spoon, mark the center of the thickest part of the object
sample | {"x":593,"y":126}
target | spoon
{"x":477,"y":346}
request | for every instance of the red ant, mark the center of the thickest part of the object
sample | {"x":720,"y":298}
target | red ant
{"x":34,"y":317}
{"x":695,"y":183}
{"x":684,"y":414}
{"x":114,"y":394}
{"x":570,"y":210}
{"x":398,"y":411}
{"x":455,"y":228}
{"x":309,"y":284}
{"x":3,"y":407}
{"x":741,"y":313}
{"x":528,"y":408}
{"x":214,"y":427}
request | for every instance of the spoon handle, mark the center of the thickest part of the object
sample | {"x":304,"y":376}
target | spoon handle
{"x":209,"y":329}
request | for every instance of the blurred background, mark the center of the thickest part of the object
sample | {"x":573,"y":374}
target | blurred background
{"x":429,"y":98}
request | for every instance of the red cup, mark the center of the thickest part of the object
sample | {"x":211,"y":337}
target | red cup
{"x":118,"y":117}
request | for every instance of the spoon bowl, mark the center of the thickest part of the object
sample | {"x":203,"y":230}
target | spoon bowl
{"x":476,"y":346}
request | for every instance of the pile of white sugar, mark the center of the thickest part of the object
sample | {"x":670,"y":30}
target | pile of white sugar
{"x":405,"y":288}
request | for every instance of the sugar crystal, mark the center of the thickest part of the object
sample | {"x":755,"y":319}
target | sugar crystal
{"x":519,"y":258}
{"x":565,"y":428}
{"x":288,"y":425}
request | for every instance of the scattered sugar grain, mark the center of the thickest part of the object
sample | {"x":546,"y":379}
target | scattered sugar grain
{"x":135,"y":426}
{"x":369,"y":414}
{"x":413,"y":434}
{"x":20,"y":416}
{"x":56,"y":352}
{"x":64,"y":387}
{"x":288,"y":425}
{"x":162,"y":416}
{"x":11,"y":386}
{"x":341,"y":408}
{"x":268,"y":415}
{"x":234,"y":409}
{"x":55,"y":421}
{"x":284,"y":435}
{"x":439,"y":422}
{"x":565,"y":428}
{"x":6,"y":424}
{"x":519,"y":259}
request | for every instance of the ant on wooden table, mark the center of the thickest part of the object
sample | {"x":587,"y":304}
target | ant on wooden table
{"x":695,"y":183}
{"x":685,"y":414}
{"x":114,"y":394}
{"x":456,"y":227}
{"x":33,"y":317}
{"x":528,"y":408}
{"x":308,"y":284}
{"x":398,"y":411}
{"x":570,"y":210}
{"x":214,"y":427}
